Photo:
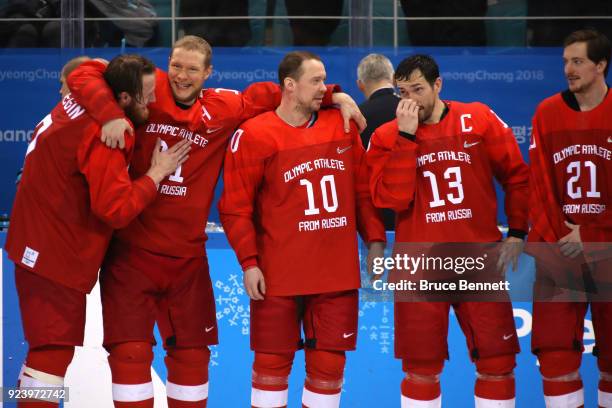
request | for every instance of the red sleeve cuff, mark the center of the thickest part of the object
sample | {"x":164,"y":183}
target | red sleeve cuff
{"x":331,"y":89}
{"x":249,"y":263}
{"x":516,"y":223}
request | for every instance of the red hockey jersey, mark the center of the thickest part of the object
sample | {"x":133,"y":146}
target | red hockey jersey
{"x":174,"y":224}
{"x":571,"y":170}
{"x":441,"y":184}
{"x":292,"y":201}
{"x":73,"y":192}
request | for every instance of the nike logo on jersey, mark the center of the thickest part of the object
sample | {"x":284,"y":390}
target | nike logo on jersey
{"x":533,"y":143}
{"x":507,"y":336}
{"x":347,"y":335}
{"x":208,"y":329}
{"x":609,"y":139}
{"x":468,"y":145}
{"x":213,"y":130}
{"x":340,"y":151}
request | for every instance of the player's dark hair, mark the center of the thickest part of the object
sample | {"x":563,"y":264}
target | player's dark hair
{"x":291,"y":65}
{"x":424,"y":63}
{"x":598,"y":45}
{"x":124,"y":74}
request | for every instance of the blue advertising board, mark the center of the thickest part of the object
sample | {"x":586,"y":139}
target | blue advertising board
{"x":512,"y":81}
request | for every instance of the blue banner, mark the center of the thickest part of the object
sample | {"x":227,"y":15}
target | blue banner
{"x":512,"y":81}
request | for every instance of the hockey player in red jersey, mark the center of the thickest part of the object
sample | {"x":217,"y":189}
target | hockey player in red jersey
{"x":295,"y":193}
{"x":570,"y":187}
{"x":73,"y":193}
{"x":435,"y":166}
{"x":161,"y":254}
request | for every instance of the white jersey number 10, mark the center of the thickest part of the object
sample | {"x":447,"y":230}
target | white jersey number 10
{"x":329,"y":203}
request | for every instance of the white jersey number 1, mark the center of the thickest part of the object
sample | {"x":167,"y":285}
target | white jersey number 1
{"x":177,"y":174}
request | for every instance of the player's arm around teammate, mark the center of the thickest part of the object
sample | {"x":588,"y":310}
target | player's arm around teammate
{"x":87,"y":84}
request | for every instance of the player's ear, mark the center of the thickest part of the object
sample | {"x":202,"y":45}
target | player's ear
{"x":207,"y":71}
{"x":437,"y":85}
{"x":601,"y":66}
{"x":289,"y":84}
{"x":124,"y":99}
{"x":360,"y":85}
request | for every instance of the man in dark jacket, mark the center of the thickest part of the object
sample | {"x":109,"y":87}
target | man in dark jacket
{"x":375,"y":80}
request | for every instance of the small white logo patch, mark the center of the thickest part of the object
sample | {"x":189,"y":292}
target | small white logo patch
{"x":29,"y":257}
{"x":507,"y":336}
{"x":533,"y":143}
{"x":468,"y":145}
{"x":209,"y":329}
{"x":213,"y":130}
{"x":340,"y":151}
{"x":347,"y":335}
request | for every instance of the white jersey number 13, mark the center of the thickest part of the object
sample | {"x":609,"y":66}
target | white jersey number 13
{"x":453,"y":174}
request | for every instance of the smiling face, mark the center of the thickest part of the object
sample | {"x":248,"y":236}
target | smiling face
{"x":422,"y":92}
{"x":580,"y":71}
{"x":187,"y":72}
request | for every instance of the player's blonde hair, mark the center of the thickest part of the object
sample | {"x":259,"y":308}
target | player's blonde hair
{"x":195,"y":43}
{"x":72,"y":65}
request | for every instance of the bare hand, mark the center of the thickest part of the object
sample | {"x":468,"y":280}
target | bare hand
{"x":407,"y":116}
{"x":113,"y":132}
{"x":375,"y":250}
{"x":571,"y":244}
{"x":349,"y":110}
{"x":510,"y":251}
{"x":165,"y":163}
{"x":254,"y":283}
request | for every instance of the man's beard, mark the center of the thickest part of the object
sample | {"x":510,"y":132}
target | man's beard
{"x":137,"y":116}
{"x":578,"y":88}
{"x":425,"y":114}
{"x":308,"y":108}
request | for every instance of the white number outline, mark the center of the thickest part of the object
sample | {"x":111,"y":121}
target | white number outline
{"x":456,"y":183}
{"x":312,"y":209}
{"x":576,"y":193}
{"x":177,"y":174}
{"x":46,"y":122}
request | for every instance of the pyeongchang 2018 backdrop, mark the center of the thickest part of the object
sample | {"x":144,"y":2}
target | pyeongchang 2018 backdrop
{"x":511,"y":81}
